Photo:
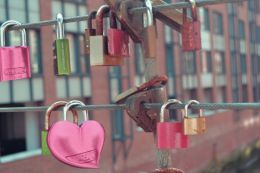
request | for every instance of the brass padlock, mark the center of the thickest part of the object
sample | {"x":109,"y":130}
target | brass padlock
{"x":90,"y":31}
{"x":193,"y":125}
{"x":99,"y":45}
{"x":149,"y":34}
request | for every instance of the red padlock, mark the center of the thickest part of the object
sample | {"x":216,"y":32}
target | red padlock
{"x":14,"y":60}
{"x":170,"y":134}
{"x":118,"y":40}
{"x":191,"y":33}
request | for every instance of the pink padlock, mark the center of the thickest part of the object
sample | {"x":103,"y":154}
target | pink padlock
{"x":78,"y":146}
{"x":170,"y":134}
{"x":118,"y":40}
{"x":14,"y":60}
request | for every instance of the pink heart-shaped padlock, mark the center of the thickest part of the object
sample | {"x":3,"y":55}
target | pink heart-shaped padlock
{"x":78,"y":146}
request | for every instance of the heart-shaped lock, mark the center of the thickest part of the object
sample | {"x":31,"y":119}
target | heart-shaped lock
{"x":168,"y":170}
{"x":78,"y":146}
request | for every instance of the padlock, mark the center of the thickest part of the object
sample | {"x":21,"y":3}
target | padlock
{"x":77,"y":145}
{"x":191,"y":31}
{"x":170,"y":134}
{"x":44,"y":133}
{"x":89,"y":31}
{"x":61,"y":49}
{"x":193,"y":125}
{"x":99,"y":44}
{"x":118,"y":40}
{"x":149,"y":34}
{"x":14,"y":60}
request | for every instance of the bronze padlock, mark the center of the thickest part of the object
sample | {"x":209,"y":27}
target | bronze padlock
{"x":99,"y":44}
{"x":193,"y":125}
{"x":149,"y":35}
{"x":90,"y":31}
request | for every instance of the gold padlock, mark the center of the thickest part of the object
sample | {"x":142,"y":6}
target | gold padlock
{"x":193,"y":125}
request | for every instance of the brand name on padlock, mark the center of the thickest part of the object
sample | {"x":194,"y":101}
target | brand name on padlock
{"x":15,"y":71}
{"x":84,"y":157}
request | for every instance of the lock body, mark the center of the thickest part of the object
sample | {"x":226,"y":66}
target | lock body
{"x":14,"y":63}
{"x":99,"y":53}
{"x":118,"y":43}
{"x":191,"y":36}
{"x":62,"y":57}
{"x":149,"y":43}
{"x":44,"y":145}
{"x":194,"y":126}
{"x":170,"y":135}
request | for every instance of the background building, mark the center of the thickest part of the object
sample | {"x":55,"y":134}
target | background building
{"x":225,"y":70}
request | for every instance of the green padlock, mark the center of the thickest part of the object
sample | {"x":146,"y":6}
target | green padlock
{"x":61,"y":49}
{"x":44,"y":145}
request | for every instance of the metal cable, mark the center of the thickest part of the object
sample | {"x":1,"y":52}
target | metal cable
{"x":131,"y":11}
{"x":203,"y":106}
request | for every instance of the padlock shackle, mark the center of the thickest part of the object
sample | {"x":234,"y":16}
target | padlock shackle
{"x":193,"y":11}
{"x":112,"y":20}
{"x":148,"y":5}
{"x":187,"y":107}
{"x":165,"y":105}
{"x":60,"y":27}
{"x":3,"y":28}
{"x":69,"y":106}
{"x":102,"y":11}
{"x":91,"y":16}
{"x":54,"y":106}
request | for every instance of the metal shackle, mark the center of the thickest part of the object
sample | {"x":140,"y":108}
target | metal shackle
{"x":91,"y":17}
{"x":99,"y":18}
{"x":60,"y":26}
{"x":54,"y":106}
{"x":149,"y":13}
{"x":165,"y":105}
{"x":72,"y":103}
{"x":194,"y":10}
{"x":188,"y":105}
{"x":3,"y":28}
{"x":112,"y":20}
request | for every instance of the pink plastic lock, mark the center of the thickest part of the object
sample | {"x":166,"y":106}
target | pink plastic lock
{"x":14,"y":60}
{"x":170,"y":134}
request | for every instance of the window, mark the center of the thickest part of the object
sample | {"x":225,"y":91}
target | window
{"x":206,"y":62}
{"x":208,"y":95}
{"x":220,"y":62}
{"x":35,"y":48}
{"x":17,"y":10}
{"x":218,"y":23}
{"x":12,"y":133}
{"x":241,"y":26}
{"x":204,"y":17}
{"x":2,"y":10}
{"x":189,"y":64}
{"x":243,"y":63}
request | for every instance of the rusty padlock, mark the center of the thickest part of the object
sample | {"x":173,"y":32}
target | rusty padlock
{"x":99,"y":44}
{"x":145,"y":118}
{"x":156,"y":81}
{"x":191,"y":30}
{"x":90,"y":31}
{"x":149,"y":33}
{"x":193,"y":125}
{"x":170,"y":134}
{"x":118,"y":40}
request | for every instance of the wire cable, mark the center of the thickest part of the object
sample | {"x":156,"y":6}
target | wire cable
{"x":203,"y":106}
{"x":177,"y":5}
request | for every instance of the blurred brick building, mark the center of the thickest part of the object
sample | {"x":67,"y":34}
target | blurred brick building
{"x":225,"y":70}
